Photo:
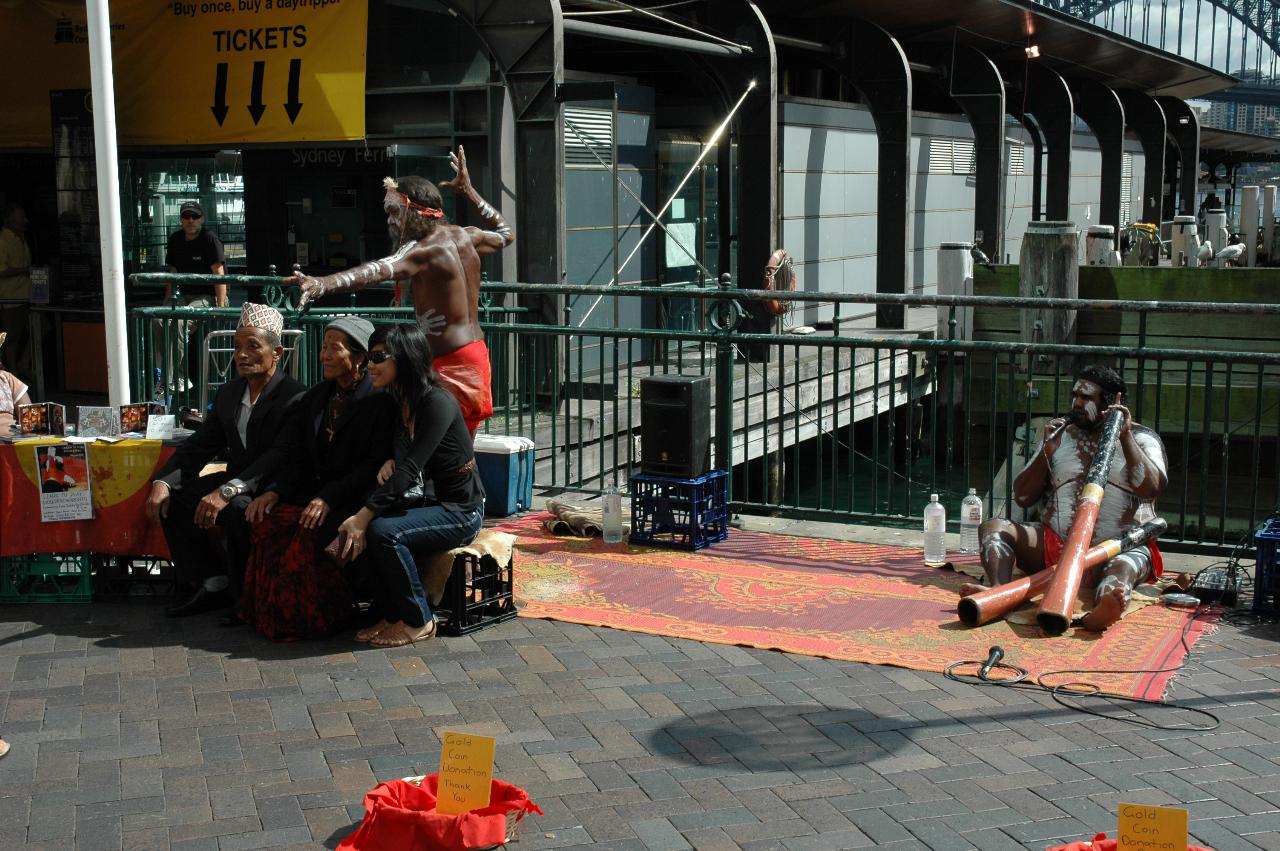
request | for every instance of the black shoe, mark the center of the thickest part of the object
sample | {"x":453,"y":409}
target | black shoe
{"x":202,"y":601}
{"x":232,"y":619}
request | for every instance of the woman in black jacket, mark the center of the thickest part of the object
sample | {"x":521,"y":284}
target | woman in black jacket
{"x":432,"y":442}
{"x":337,"y":440}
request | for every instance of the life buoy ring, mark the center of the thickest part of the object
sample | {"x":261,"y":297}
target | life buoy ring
{"x":779,"y":276}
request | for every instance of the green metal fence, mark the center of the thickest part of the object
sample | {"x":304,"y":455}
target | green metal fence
{"x":850,"y":423}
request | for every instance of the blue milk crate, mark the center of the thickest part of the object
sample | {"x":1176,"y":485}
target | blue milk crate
{"x":682,"y":514}
{"x":1266,"y":572}
{"x":46,"y":578}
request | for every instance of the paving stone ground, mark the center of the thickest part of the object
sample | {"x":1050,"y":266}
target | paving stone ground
{"x":134,"y":731}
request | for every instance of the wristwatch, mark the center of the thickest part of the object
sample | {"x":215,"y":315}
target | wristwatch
{"x":232,"y":489}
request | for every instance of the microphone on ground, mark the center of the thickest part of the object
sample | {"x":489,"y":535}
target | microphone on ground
{"x":993,"y":659}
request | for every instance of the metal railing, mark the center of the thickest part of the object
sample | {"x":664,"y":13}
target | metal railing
{"x":855,"y":424}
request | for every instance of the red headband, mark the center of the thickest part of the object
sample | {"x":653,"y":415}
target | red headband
{"x":420,"y":209}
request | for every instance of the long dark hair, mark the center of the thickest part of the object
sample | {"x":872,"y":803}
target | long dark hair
{"x":415,"y":376}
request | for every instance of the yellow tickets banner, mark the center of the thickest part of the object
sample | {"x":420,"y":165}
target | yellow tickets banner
{"x":46,"y":47}
{"x":217,"y":71}
{"x":200,"y":72}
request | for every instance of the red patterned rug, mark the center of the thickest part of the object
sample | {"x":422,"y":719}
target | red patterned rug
{"x":836,"y":599}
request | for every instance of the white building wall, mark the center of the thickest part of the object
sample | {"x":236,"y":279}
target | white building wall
{"x":828,"y":194}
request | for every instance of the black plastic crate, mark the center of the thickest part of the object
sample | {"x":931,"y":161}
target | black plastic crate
{"x":478,"y":594}
{"x":682,"y":514}
{"x":1266,"y":573}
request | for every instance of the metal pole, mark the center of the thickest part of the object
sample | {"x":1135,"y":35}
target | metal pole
{"x":109,"y":235}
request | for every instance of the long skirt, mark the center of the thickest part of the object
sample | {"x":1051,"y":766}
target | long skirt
{"x":292,"y":590}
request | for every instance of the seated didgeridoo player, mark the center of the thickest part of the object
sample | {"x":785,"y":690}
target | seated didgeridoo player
{"x":248,"y":411}
{"x":1056,"y":474}
{"x":442,"y":262}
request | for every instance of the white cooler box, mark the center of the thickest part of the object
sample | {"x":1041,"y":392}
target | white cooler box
{"x":506,"y":468}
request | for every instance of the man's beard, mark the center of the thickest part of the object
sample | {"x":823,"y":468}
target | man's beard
{"x":1081,"y":420}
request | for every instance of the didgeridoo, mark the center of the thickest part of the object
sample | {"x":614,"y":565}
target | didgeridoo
{"x":986,"y":606}
{"x":1054,"y":614}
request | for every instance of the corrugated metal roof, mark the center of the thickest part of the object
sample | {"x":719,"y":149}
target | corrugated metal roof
{"x":1003,"y":28}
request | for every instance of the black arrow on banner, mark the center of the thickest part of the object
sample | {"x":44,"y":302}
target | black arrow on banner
{"x":293,"y":106}
{"x":220,"y":94}
{"x":256,"y":106}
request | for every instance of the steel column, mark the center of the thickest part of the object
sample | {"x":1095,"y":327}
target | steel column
{"x":974,"y":83}
{"x":1048,"y":99}
{"x":1184,"y":127}
{"x":1100,"y":108}
{"x":1145,"y":117}
{"x":753,"y":147}
{"x":878,"y":69}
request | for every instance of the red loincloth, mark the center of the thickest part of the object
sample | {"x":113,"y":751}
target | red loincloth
{"x":465,"y":373}
{"x":1053,"y":551}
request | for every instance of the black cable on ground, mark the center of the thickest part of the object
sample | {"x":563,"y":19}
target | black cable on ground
{"x":1083,"y":689}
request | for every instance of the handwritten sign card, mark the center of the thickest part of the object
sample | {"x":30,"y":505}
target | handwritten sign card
{"x":466,"y":773}
{"x":1147,"y":828}
{"x":160,"y":427}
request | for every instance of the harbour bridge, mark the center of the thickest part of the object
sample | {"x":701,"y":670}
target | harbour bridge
{"x":1238,"y":37}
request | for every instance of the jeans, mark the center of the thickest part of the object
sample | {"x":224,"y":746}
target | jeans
{"x":394,"y":538}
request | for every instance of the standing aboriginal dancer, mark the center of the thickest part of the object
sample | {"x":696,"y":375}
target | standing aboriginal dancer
{"x":442,"y":262}
{"x":1056,"y":474}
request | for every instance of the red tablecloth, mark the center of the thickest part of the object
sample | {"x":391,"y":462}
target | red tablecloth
{"x":121,"y":478}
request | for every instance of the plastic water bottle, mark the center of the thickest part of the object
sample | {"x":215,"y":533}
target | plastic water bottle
{"x":970,"y":520}
{"x":612,"y":527}
{"x":935,"y":531}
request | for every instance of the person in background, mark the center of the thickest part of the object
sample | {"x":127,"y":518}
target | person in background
{"x":193,"y":249}
{"x":398,"y":522}
{"x":15,"y":286}
{"x":248,"y":412}
{"x":338,"y":440}
{"x":12,"y":394}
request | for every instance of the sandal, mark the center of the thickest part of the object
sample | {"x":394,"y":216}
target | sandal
{"x":401,"y":635}
{"x":371,"y":632}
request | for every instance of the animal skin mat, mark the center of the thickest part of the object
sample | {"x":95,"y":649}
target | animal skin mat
{"x":835,"y":599}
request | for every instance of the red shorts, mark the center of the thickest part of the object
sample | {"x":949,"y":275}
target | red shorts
{"x":465,"y":373}
{"x":1053,"y":551}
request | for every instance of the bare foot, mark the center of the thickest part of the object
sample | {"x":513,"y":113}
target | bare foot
{"x":400,"y":634}
{"x":369,"y":633}
{"x":970,"y":588}
{"x":1106,"y":611}
{"x":4,"y":747}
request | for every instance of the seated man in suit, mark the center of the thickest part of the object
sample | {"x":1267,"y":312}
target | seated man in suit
{"x":247,"y":413}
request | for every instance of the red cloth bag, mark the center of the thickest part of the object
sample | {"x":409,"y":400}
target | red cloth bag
{"x":400,"y":816}
{"x":1101,"y":843}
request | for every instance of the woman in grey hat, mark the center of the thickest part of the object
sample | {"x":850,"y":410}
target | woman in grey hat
{"x":340,"y":436}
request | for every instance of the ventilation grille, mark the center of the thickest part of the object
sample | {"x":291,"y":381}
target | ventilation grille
{"x":1017,"y":157}
{"x":1126,"y":189}
{"x":595,"y":129}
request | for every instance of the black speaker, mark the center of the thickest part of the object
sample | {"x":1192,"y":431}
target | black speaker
{"x":675,"y":425}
